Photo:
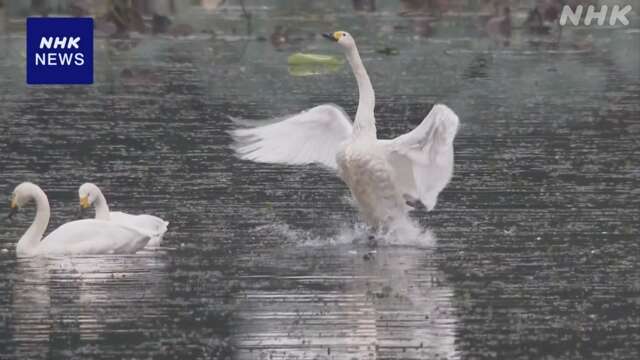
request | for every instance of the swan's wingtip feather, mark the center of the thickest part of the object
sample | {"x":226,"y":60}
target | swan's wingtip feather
{"x":235,"y":119}
{"x":445,"y":114}
{"x":241,"y":133}
{"x":442,"y":108}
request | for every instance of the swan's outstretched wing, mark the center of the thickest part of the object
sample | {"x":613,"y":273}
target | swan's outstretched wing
{"x":147,"y":224}
{"x":312,"y":136}
{"x":423,"y":158}
{"x":93,"y":237}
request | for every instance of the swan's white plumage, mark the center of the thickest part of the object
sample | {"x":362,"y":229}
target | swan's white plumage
{"x":312,"y":136}
{"x":81,"y":237}
{"x":149,"y":224}
{"x":91,"y":237}
{"x":381,"y":174}
{"x":155,"y":227}
{"x":364,"y":167}
{"x":423,"y":158}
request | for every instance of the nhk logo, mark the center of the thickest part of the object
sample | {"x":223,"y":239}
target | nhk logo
{"x":59,"y":50}
{"x":53,"y":58}
{"x":617,"y":14}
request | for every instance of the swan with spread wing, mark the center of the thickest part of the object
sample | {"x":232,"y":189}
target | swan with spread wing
{"x":386,"y":177}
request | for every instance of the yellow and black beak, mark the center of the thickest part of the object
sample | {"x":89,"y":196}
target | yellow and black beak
{"x":84,"y":202}
{"x":332,"y":37}
{"x":14,"y":208}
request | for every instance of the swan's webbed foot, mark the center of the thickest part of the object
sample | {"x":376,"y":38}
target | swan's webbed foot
{"x":413,"y":202}
{"x":372,"y":242}
{"x":368,"y":256}
{"x":416,"y":204}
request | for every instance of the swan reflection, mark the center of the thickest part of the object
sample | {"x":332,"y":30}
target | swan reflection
{"x":68,"y":301}
{"x":346,"y":303}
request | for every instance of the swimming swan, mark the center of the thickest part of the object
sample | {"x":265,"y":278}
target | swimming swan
{"x":81,"y":237}
{"x":386,"y":177}
{"x":155,"y":227}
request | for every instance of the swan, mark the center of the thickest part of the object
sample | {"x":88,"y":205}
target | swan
{"x":386,"y":177}
{"x":81,"y":237}
{"x":155,"y":227}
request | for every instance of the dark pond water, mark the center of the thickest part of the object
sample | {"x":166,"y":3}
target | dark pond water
{"x":532,"y":252}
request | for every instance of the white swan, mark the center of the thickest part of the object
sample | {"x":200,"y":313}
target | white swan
{"x":155,"y":227}
{"x":81,"y":237}
{"x":385,"y":176}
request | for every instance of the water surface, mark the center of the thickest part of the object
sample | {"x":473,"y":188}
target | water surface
{"x":532,"y":251}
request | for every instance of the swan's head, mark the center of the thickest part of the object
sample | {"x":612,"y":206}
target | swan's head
{"x":88,"y":193}
{"x":22,"y":195}
{"x":343,"y":38}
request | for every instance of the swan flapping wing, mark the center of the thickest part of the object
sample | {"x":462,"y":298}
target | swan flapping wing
{"x":423,"y":158}
{"x":312,"y":136}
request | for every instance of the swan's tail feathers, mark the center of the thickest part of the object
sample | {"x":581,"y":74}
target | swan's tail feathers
{"x":149,"y":225}
{"x":312,"y":136}
{"x":157,"y":233}
{"x":162,"y":228}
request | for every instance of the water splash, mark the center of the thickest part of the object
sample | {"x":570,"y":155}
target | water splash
{"x":402,"y":232}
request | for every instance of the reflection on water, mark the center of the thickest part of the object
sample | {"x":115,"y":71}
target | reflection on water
{"x":537,"y":253}
{"x":343,"y":301}
{"x":57,"y":303}
{"x":347,"y":303}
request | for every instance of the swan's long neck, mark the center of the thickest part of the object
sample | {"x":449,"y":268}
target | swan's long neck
{"x":102,"y":209}
{"x":31,"y":238}
{"x":364,"y":123}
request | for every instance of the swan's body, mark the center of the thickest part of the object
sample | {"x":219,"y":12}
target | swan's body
{"x":82,"y":237}
{"x":364,"y":167}
{"x":383,"y":175}
{"x":151,"y":225}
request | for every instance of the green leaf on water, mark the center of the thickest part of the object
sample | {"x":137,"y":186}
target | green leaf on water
{"x":314,"y":59}
{"x":301,"y":64}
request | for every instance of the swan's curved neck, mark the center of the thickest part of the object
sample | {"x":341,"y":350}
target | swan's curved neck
{"x":364,"y":123}
{"x":102,"y":209}
{"x":31,"y":238}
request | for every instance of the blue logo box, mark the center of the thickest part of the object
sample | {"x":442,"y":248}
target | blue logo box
{"x":59,"y":50}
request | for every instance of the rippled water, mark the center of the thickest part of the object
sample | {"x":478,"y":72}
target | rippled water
{"x":532,"y":252}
